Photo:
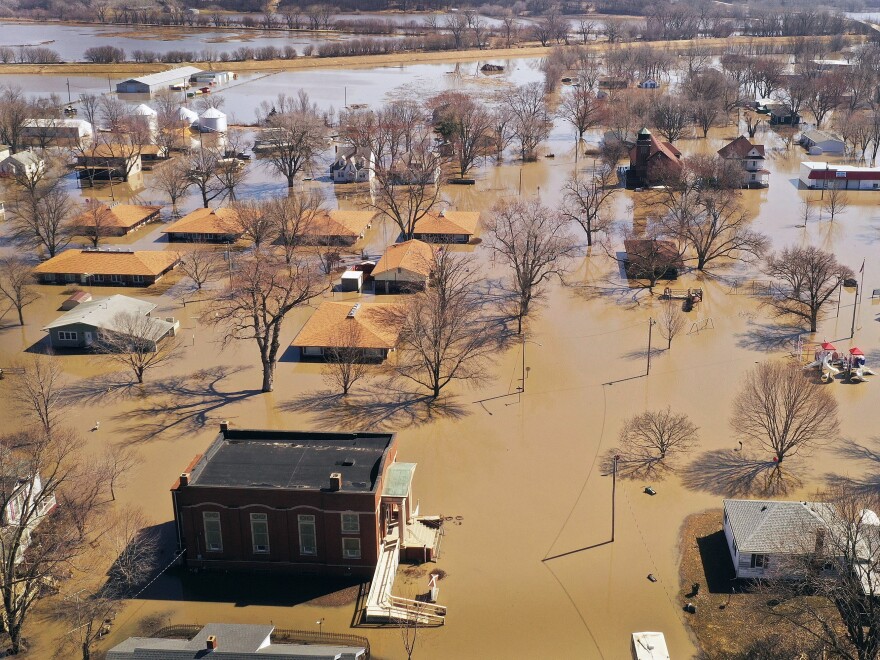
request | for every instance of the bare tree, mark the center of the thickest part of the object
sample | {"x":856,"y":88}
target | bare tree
{"x":16,"y":284}
{"x":345,"y":363}
{"x":588,"y":201}
{"x":465,"y":123}
{"x":131,"y":551}
{"x":580,"y":108}
{"x":671,"y":322}
{"x":263,"y":289}
{"x":782,"y":411}
{"x":825,"y":95}
{"x":533,"y":240}
{"x":115,"y":463}
{"x":41,"y":218}
{"x":807,"y":277}
{"x":37,"y":395}
{"x":291,"y":215}
{"x":836,"y":202}
{"x":256,"y":224}
{"x":14,"y":112}
{"x":41,"y":542}
{"x":95,"y":221}
{"x":292,"y":142}
{"x":138,"y":342}
{"x":173,"y":179}
{"x":654,"y":440}
{"x":201,"y":167}
{"x":708,"y":219}
{"x":229,"y":172}
{"x":530,"y":120}
{"x":445,"y":336}
{"x":807,"y":211}
{"x":201,"y":265}
{"x":670,"y":116}
{"x":90,"y":107}
{"x":406,"y":188}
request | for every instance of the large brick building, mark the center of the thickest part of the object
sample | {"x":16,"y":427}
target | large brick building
{"x":292,"y":501}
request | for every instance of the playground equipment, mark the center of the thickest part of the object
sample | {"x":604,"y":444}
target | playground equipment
{"x":832,"y":362}
{"x":690,"y":296}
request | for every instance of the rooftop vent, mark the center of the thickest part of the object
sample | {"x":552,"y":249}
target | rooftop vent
{"x":764,"y":507}
{"x":335,"y":481}
{"x":345,"y":462}
{"x":211,"y":643}
{"x":353,"y":311}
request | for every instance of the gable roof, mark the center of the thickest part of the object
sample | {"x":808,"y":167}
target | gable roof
{"x":740,"y":148}
{"x":122,"y":216}
{"x":768,"y":527}
{"x":448,"y":222}
{"x":168,"y":76}
{"x":25,"y":158}
{"x":782,"y":111}
{"x":817,"y":136}
{"x":206,"y":221}
{"x":413,"y":255}
{"x":110,"y":262}
{"x":665,"y":149}
{"x":329,"y":326}
{"x":103,"y":313}
{"x":338,"y":223}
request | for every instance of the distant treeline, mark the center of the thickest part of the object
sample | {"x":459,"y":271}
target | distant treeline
{"x":28,"y":55}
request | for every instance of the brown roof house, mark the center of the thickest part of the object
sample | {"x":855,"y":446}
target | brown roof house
{"x":219,"y":225}
{"x":113,"y":267}
{"x":652,"y":259}
{"x":109,"y":161}
{"x":750,"y":158}
{"x":371,"y":329}
{"x":300,"y":502}
{"x":337,"y":227}
{"x":404,"y":268}
{"x":651,"y":161}
{"x":117,"y":220}
{"x":447,"y":227}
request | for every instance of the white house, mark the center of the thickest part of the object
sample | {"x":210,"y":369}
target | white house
{"x":5,"y":150}
{"x":352,"y":166}
{"x":761,"y":533}
{"x":750,"y":158}
{"x":69,"y":132}
{"x":649,"y":84}
{"x":24,"y":163}
{"x":818,"y":142}
{"x":824,"y":175}
{"x":26,"y":506}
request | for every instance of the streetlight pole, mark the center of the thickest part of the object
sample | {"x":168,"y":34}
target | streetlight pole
{"x":651,"y":323}
{"x":613,"y":493}
{"x":852,"y":331}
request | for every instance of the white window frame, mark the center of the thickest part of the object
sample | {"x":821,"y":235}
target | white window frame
{"x":306,"y":520}
{"x":353,"y":551}
{"x":212,"y":517}
{"x":67,"y":335}
{"x":137,"y":279}
{"x":116,"y":279}
{"x":352,"y":525}
{"x":258,"y":520}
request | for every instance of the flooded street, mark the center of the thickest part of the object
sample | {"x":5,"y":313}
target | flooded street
{"x":521,"y":475}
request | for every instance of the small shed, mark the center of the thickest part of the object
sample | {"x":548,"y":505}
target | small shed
{"x":212,"y":120}
{"x":352,"y":280}
{"x":76,"y":299}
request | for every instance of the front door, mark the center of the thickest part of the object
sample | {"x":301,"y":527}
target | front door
{"x":88,"y":336}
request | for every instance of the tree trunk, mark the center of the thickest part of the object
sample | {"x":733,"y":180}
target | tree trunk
{"x":268,"y":376}
{"x":87,"y":652}
{"x":290,"y":178}
{"x":140,"y":375}
{"x":814,"y":320}
{"x":20,"y":315}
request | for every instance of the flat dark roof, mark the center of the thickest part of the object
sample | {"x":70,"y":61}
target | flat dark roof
{"x":294,"y":460}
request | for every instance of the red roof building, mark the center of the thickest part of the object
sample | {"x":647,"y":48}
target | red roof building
{"x":651,"y":161}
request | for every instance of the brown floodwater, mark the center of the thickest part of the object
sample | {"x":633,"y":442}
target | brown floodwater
{"x":524,"y":472}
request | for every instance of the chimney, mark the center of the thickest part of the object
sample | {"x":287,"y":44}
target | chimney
{"x":335,"y":481}
{"x":224,"y":426}
{"x":211,"y":643}
{"x":184,"y":479}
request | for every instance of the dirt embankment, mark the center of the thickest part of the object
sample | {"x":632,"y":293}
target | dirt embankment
{"x":364,"y":61}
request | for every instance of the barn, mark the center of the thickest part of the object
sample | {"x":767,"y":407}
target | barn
{"x":156,"y":82}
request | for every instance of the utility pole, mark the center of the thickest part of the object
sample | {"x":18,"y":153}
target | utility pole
{"x":68,"y":92}
{"x":651,"y":323}
{"x":613,"y":492}
{"x":852,"y":332}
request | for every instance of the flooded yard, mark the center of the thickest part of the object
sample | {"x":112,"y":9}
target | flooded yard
{"x":531,"y":569}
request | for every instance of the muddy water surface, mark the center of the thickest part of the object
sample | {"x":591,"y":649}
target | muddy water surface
{"x":523,"y":471}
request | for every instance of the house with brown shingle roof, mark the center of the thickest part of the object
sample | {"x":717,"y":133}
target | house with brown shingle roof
{"x":371,"y":328}
{"x":113,"y":267}
{"x":405,"y":267}
{"x":337,"y":227}
{"x":651,"y":161}
{"x":447,"y":227}
{"x":117,"y":220}
{"x":750,"y":158}
{"x":219,"y":225}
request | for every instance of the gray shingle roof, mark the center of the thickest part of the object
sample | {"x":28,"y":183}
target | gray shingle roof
{"x":771,"y":527}
{"x":103,"y":313}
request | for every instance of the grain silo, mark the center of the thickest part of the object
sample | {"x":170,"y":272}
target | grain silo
{"x":187,"y":116}
{"x":212,"y":121}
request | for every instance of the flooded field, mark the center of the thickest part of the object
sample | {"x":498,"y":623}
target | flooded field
{"x":70,"y":41}
{"x":523,"y":471}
